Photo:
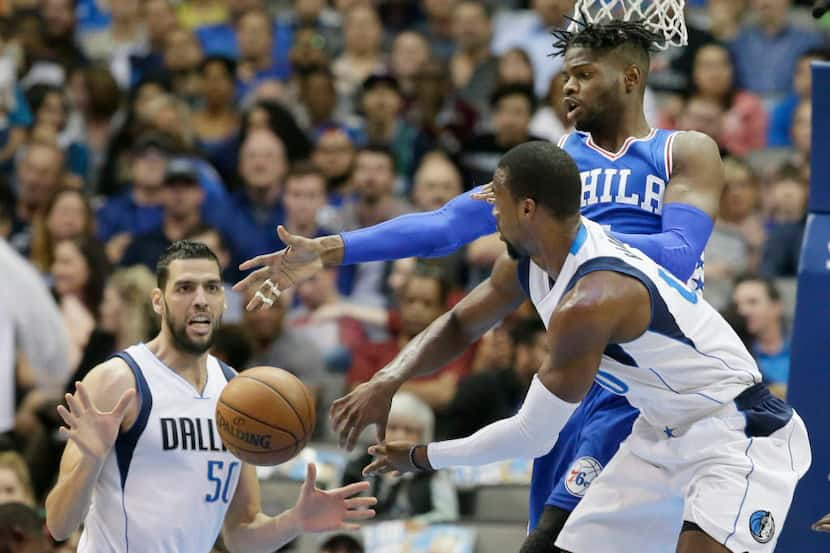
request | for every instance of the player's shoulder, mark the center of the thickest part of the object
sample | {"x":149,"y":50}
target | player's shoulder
{"x":108,"y":380}
{"x":694,"y":146}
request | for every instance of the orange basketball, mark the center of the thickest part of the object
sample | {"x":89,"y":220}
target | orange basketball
{"x":265,"y":416}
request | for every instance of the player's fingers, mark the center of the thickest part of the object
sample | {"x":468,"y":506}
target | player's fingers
{"x":344,"y":426}
{"x":347,"y":526}
{"x":310,"y":478}
{"x":381,"y":431}
{"x":124,"y":401}
{"x":67,"y":417}
{"x":373,"y":468}
{"x":350,"y":490}
{"x":377,"y":449}
{"x":360,"y":502}
{"x":83,"y":395}
{"x":259,"y":260}
{"x":354,"y":433}
{"x":74,"y":404}
{"x":288,"y":238}
{"x":251,"y":279}
{"x":361,"y":514}
{"x":64,"y":431}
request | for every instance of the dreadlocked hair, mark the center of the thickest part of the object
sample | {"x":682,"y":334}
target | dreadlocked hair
{"x":606,"y":36}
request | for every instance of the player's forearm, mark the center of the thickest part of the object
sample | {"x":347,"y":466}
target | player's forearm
{"x":263,"y":534}
{"x":68,"y":502}
{"x":428,"y":234}
{"x":441,"y":342}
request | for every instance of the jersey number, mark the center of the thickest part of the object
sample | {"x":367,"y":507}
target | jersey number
{"x":214,"y":475}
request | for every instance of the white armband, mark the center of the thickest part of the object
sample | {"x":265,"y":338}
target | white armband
{"x":530,"y":433}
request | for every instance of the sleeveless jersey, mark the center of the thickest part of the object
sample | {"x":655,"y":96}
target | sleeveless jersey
{"x":167,"y":483}
{"x":624,"y":191}
{"x":686,"y":365}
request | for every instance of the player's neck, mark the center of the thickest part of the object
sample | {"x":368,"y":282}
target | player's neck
{"x":553,"y":244}
{"x":191,"y":367}
{"x":631,"y":123}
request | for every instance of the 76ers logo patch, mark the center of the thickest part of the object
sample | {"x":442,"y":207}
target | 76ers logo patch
{"x":762,"y":526}
{"x":581,"y":474}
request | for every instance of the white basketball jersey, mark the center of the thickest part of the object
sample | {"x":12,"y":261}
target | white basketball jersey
{"x":167,"y":483}
{"x":687,"y":364}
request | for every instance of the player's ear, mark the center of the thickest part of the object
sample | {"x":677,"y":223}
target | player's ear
{"x":632,"y":77}
{"x":156,"y":300}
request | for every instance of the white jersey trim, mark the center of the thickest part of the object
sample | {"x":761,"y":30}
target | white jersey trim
{"x":626,"y":145}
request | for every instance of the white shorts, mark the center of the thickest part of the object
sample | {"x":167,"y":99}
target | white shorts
{"x":738,"y":489}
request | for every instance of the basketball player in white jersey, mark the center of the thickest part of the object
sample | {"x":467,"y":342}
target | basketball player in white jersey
{"x":144,"y":468}
{"x":711,"y":447}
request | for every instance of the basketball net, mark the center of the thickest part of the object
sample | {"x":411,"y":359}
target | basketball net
{"x":663,"y":17}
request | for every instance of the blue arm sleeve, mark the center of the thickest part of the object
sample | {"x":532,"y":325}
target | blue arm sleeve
{"x":678,"y":248}
{"x":430,"y":234}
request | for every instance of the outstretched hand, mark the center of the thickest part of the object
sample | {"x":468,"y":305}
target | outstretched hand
{"x":320,"y":510}
{"x":823,"y":524}
{"x":367,"y":404}
{"x":486,"y":193}
{"x":278,"y":271}
{"x":92,"y":430}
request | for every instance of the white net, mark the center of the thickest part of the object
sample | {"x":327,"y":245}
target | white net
{"x":663,"y":17}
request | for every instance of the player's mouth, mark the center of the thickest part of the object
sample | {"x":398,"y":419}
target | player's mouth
{"x":200,"y":323}
{"x":572,"y":107}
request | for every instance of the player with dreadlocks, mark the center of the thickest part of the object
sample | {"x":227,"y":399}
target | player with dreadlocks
{"x":656,"y":190}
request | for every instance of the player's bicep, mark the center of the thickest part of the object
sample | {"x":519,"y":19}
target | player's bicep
{"x":246,"y":503}
{"x":697,"y":176}
{"x":492,"y":300}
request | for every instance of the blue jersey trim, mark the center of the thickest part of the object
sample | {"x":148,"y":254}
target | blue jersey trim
{"x":618,"y":354}
{"x":523,"y":273}
{"x":662,"y":320}
{"x":127,"y":441}
{"x":579,"y":239}
{"x":746,"y":491}
{"x":227,"y":370}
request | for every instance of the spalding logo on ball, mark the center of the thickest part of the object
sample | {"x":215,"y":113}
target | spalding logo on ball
{"x":265,"y":416}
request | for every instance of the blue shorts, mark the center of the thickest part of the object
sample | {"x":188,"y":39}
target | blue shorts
{"x":587,"y":442}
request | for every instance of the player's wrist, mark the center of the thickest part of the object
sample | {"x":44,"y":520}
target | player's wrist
{"x":331,"y":249}
{"x":419,"y":458}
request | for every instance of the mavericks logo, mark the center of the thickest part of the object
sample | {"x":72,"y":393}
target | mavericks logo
{"x":581,"y":474}
{"x":762,"y":526}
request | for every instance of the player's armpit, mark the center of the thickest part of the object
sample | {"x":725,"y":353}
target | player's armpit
{"x":697,"y":174}
{"x":602,"y":308}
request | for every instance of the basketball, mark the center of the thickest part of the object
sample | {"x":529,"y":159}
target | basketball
{"x":265,"y":416}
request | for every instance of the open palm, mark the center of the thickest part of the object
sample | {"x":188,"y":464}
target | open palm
{"x":92,"y":430}
{"x":298,"y":262}
{"x":322,"y":510}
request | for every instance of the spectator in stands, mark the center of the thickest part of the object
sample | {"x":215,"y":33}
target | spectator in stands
{"x":319,"y":100}
{"x":50,"y":107}
{"x":704,"y":115}
{"x":515,"y":67}
{"x":313,"y":18}
{"x":759,"y":302}
{"x":139,"y":209}
{"x":15,"y":480}
{"x":39,"y":172}
{"x":160,"y":20}
{"x":410,"y":51}
{"x":67,"y":215}
{"x":303,"y":198}
{"x":255,"y":36}
{"x":270,"y":115}
{"x":21,"y":530}
{"x":336,"y":337}
{"x":232,"y":345}
{"x":256,"y":209}
{"x":96,"y":100}
{"x":308,"y":51}
{"x":59,"y":32}
{"x":551,"y":120}
{"x":334,"y":154}
{"x":341,"y":543}
{"x":123,"y":37}
{"x":217,"y":122}
{"x":384,"y":125}
{"x":744,"y":124}
{"x":725,"y":18}
{"x":473,"y":67}
{"x":79,"y":272}
{"x":530,"y":31}
{"x":437,"y":28}
{"x":362,"y":55}
{"x":182,"y":199}
{"x":182,"y":57}
{"x":491,"y":394}
{"x":788,"y":210}
{"x":801,"y":133}
{"x":198,"y":13}
{"x":213,"y":239}
{"x":420,"y":498}
{"x":783,"y":112}
{"x":777,"y":42}
{"x":513,"y":106}
{"x":278,"y":345}
{"x":423,"y":299}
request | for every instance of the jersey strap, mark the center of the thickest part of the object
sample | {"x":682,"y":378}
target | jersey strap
{"x":126,"y":442}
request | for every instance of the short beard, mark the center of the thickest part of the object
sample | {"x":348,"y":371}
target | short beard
{"x":182,"y":341}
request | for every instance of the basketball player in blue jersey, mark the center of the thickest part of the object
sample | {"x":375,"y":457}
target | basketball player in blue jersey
{"x":144,"y":468}
{"x":656,"y":190}
{"x":713,"y":454}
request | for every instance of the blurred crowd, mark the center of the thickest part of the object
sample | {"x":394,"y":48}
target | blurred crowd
{"x":128,"y":124}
